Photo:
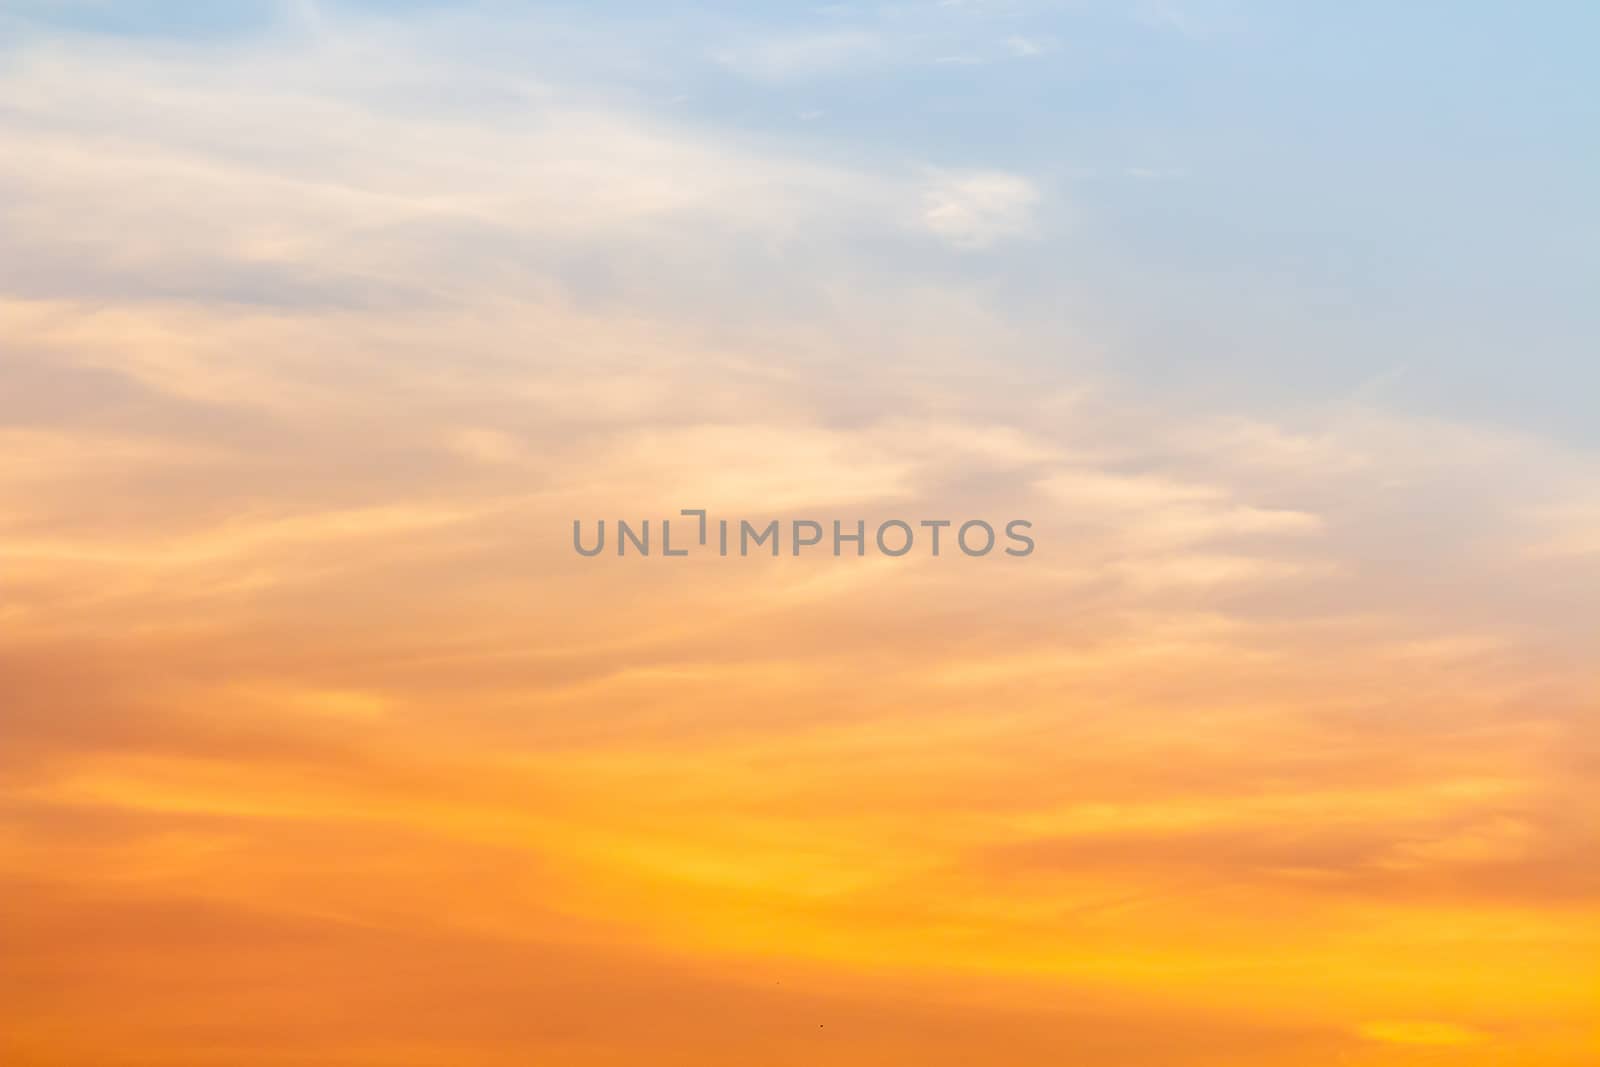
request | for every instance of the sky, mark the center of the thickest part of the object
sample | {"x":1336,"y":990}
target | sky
{"x":320,"y":324}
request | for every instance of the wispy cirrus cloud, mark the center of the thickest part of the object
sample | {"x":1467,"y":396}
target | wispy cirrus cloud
{"x":976,"y":210}
{"x":1286,"y":729}
{"x":800,"y":55}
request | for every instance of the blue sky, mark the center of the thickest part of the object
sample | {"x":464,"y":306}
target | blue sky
{"x":1251,"y":204}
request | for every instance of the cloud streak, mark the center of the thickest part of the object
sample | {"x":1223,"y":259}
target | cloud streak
{"x":322,"y":746}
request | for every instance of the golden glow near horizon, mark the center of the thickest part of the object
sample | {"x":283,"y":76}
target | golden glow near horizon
{"x":322,"y":746}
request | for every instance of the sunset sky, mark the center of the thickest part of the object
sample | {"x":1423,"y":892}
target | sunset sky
{"x":321,"y":322}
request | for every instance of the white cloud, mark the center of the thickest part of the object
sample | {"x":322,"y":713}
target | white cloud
{"x":798,"y":56}
{"x":1028,"y":47}
{"x":285,"y":173}
{"x":976,"y":210}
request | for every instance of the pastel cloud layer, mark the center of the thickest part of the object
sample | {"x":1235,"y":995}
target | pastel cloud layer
{"x":321,"y":745}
